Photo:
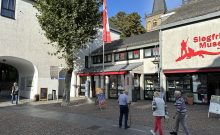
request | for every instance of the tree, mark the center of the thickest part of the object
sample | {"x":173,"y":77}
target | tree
{"x":69,"y":25}
{"x":128,"y":24}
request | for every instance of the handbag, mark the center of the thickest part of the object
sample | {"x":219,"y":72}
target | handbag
{"x":154,"y":105}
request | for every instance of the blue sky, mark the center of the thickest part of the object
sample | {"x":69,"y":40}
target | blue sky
{"x":141,"y":6}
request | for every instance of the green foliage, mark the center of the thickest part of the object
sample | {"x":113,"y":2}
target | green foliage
{"x":190,"y":94}
{"x":128,"y":24}
{"x":69,"y":25}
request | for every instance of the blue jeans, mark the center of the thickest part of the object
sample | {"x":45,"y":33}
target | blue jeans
{"x":123,"y":111}
{"x":14,"y":97}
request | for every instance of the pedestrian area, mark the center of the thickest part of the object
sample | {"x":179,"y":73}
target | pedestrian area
{"x":84,"y":117}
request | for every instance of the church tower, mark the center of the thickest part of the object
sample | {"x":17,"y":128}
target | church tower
{"x":153,"y":20}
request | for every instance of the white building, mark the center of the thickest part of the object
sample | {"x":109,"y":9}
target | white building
{"x":24,"y":47}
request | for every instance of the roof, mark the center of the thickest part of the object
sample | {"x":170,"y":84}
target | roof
{"x":118,"y":67}
{"x":159,"y":7}
{"x":146,"y":38}
{"x":194,"y":8}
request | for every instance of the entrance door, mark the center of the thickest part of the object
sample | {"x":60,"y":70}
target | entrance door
{"x":213,"y":84}
{"x":136,"y":93}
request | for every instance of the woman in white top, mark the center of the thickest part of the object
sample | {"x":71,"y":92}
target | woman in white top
{"x":158,"y":106}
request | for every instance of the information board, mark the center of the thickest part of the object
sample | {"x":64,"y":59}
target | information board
{"x":214,"y":106}
{"x":43,"y":93}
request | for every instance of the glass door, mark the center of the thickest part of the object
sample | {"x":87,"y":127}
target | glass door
{"x":150,"y":85}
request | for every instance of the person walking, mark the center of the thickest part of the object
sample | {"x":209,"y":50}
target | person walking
{"x":158,"y":107}
{"x":14,"y":93}
{"x":180,"y":115}
{"x":123,"y":104}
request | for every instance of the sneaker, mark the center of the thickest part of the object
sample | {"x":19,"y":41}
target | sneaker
{"x":152,"y":132}
{"x":173,"y":133}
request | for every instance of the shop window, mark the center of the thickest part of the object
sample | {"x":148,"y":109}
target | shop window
{"x":200,"y":88}
{"x":8,"y":8}
{"x":150,"y":85}
{"x":181,"y":83}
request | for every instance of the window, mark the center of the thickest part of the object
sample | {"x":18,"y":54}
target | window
{"x":97,"y":59}
{"x":154,"y":23}
{"x":120,"y":56}
{"x":148,"y":52}
{"x":133,"y":54}
{"x":8,"y":8}
{"x":86,"y":61}
{"x":108,"y":58}
{"x":156,"y":51}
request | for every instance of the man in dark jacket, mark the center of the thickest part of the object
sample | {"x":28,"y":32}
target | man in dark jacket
{"x":180,"y":113}
{"x":14,"y":93}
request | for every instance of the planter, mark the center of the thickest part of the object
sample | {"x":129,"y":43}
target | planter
{"x":189,"y":100}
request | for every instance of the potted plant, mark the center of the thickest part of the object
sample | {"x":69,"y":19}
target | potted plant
{"x":189,"y":98}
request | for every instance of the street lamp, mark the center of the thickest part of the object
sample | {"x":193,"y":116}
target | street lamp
{"x":156,"y":62}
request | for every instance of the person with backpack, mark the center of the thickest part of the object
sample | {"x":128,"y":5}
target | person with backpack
{"x":158,"y":107}
{"x":14,"y":93}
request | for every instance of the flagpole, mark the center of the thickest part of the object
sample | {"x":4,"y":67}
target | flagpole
{"x":103,"y":64}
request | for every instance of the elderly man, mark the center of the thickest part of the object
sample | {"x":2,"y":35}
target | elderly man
{"x":14,"y":93}
{"x":123,"y":103}
{"x":180,"y":113}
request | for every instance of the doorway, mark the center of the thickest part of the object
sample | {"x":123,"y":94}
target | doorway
{"x":213,"y":84}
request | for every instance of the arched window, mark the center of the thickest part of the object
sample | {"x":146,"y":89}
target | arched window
{"x":154,"y":23}
{"x":149,"y":25}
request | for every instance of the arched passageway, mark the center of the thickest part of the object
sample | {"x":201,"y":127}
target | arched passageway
{"x":16,"y":69}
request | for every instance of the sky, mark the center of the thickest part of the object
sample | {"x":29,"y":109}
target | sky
{"x":142,"y":7}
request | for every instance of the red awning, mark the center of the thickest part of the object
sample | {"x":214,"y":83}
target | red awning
{"x":191,"y":71}
{"x":105,"y":73}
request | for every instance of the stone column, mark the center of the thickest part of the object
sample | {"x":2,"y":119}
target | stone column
{"x":106,"y":86}
{"x":142,"y":86}
{"x":77,"y":86}
{"x":73,"y":86}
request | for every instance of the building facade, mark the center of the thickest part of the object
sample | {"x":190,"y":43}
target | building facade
{"x":24,"y":47}
{"x":127,"y":66}
{"x":190,"y":40}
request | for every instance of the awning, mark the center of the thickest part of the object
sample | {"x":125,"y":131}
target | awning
{"x":191,"y":70}
{"x":119,"y":69}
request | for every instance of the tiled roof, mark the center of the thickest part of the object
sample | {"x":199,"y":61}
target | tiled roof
{"x":147,"y":38}
{"x":119,"y":67}
{"x":193,"y":9}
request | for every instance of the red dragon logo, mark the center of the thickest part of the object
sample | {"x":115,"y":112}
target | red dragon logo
{"x":188,"y":53}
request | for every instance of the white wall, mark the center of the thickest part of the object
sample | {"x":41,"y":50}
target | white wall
{"x":23,"y":38}
{"x":171,"y":47}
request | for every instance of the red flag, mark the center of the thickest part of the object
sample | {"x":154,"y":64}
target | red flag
{"x":106,"y":31}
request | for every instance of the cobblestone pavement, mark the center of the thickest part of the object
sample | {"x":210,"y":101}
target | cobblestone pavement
{"x":85,"y":118}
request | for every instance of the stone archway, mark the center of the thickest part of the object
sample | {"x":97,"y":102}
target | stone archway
{"x":27,"y":75}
